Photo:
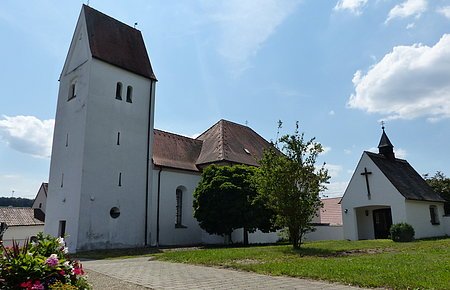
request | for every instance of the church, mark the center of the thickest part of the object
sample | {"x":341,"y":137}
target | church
{"x":115,"y":181}
{"x":386,"y":190}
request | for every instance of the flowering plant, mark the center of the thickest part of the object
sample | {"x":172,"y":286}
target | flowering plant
{"x":40,"y":264}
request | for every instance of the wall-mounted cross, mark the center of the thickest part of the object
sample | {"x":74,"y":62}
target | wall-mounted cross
{"x":366,"y":174}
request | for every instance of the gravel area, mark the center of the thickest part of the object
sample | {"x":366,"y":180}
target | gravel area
{"x":101,"y":281}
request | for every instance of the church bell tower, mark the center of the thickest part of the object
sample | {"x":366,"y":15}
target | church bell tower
{"x":100,"y":172}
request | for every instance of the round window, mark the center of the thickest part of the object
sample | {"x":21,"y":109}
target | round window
{"x":114,"y":212}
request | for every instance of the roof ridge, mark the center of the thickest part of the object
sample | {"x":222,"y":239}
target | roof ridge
{"x":106,"y":15}
{"x":177,"y":135}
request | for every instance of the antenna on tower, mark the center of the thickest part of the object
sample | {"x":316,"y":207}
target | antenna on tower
{"x":135,"y":24}
{"x":87,"y":3}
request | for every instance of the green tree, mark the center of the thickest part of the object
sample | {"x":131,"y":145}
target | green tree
{"x":291,"y":183}
{"x":440,"y":184}
{"x":226,"y":199}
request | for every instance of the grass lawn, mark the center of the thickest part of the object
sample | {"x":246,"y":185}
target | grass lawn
{"x":423,"y":264}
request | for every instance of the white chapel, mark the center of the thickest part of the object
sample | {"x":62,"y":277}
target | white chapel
{"x":114,"y":180}
{"x":385,"y":190}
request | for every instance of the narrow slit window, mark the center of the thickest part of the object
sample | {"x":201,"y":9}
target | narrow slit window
{"x":119,"y":91}
{"x":62,"y":179}
{"x":179,"y":208}
{"x":72,"y":90}
{"x":67,"y":140}
{"x":120,"y":179}
{"x":62,"y":229}
{"x":129,"y":94}
{"x":118,"y":138}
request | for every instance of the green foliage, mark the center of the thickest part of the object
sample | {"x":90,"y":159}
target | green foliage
{"x":440,"y":184}
{"x":226,"y":199}
{"x":16,"y":202}
{"x":422,"y":264}
{"x":291,"y":183}
{"x":402,"y":232}
{"x":39,"y":265}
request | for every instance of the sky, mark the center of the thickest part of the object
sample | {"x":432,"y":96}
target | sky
{"x":338,"y":67}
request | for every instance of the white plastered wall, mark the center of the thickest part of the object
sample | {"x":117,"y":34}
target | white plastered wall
{"x":418,"y":215}
{"x":63,"y":197}
{"x":20,"y":234}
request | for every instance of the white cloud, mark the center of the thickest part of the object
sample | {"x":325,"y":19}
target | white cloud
{"x":332,"y":113}
{"x":444,"y":11}
{"x":407,"y":9}
{"x":333,"y":170}
{"x":28,"y":134}
{"x":326,"y":149}
{"x":409,"y":82}
{"x":410,"y":25}
{"x":347,"y":151}
{"x":354,"y":6}
{"x":246,"y":25}
{"x":335,"y":189}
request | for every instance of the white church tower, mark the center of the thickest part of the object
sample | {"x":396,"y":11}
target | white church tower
{"x":100,"y":172}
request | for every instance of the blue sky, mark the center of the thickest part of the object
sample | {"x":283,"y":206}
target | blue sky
{"x":338,"y":67}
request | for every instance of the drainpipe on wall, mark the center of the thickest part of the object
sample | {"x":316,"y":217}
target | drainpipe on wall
{"x":157,"y":208}
{"x":149,"y":132}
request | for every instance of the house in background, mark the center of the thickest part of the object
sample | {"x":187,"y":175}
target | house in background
{"x":19,"y":224}
{"x":40,"y":202}
{"x":385,"y":190}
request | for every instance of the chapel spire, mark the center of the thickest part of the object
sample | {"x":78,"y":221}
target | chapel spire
{"x":385,"y":146}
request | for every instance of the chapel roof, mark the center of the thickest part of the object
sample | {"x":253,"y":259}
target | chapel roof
{"x":117,"y":43}
{"x":18,"y":216}
{"x":224,"y":142}
{"x":405,"y":178}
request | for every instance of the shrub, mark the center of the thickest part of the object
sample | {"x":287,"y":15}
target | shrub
{"x":402,"y":232}
{"x":40,"y":264}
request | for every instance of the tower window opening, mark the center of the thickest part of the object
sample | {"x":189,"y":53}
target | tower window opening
{"x":129,"y":94}
{"x":119,"y":91}
{"x":118,"y":138}
{"x":72,"y":90}
{"x":120,"y":179}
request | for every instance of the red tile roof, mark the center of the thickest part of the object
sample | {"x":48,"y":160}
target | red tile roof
{"x":331,"y":213}
{"x":18,"y":216}
{"x":117,"y":43}
{"x":224,"y":142}
{"x":231,"y":142}
{"x":175,"y":151}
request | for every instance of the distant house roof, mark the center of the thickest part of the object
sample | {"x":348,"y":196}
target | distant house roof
{"x":225,"y":141}
{"x":331,"y":213}
{"x":404,"y":178}
{"x":18,"y":216}
{"x":117,"y":43}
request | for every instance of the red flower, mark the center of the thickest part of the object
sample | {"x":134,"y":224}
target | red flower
{"x":26,"y":285}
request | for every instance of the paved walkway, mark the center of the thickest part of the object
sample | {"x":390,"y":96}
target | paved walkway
{"x":164,"y":275}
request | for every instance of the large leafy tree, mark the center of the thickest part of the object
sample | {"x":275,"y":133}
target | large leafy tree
{"x":226,"y":199}
{"x":440,"y":184}
{"x":290,"y":181}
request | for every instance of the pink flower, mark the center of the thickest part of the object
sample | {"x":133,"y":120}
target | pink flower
{"x":37,"y":285}
{"x":52,"y":260}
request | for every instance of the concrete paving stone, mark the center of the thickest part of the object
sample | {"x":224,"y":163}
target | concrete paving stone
{"x":164,"y":275}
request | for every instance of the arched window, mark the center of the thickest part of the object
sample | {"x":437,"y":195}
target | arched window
{"x":119,"y":91}
{"x":179,"y":208}
{"x":434,"y":217}
{"x":129,"y":94}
